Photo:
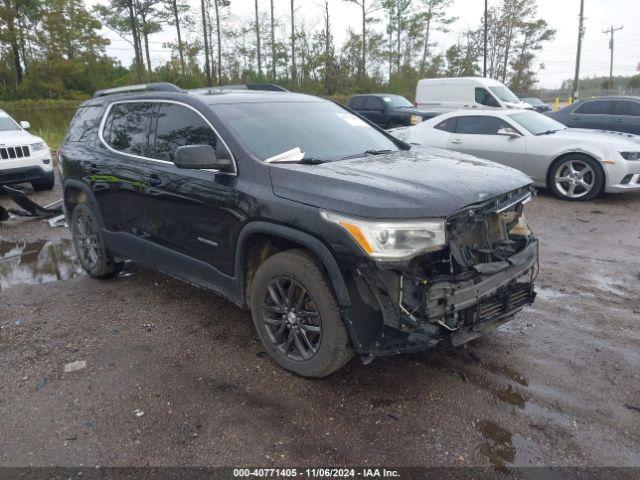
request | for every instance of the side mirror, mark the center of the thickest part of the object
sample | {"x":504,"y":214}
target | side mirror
{"x":24,"y":124}
{"x":199,"y":157}
{"x":508,"y":132}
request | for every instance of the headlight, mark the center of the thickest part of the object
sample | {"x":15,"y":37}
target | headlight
{"x":415,"y":119}
{"x":630,"y":155}
{"x":392,"y":240}
{"x":36,"y":147}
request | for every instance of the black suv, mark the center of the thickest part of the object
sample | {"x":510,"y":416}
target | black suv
{"x":388,"y":110}
{"x":337,"y":236}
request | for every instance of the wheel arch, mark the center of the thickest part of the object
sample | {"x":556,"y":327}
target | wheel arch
{"x":76,"y":192}
{"x":259,"y":240}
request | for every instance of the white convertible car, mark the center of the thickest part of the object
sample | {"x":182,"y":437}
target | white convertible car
{"x":575,"y":164}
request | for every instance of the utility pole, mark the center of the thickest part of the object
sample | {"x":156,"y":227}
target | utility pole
{"x":576,"y":77}
{"x":611,"y":31}
{"x":486,"y":14}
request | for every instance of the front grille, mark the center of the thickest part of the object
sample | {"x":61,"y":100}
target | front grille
{"x":517,"y":298}
{"x":7,"y":153}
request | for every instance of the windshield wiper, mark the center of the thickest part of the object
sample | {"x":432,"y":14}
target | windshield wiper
{"x":367,"y":152}
{"x":547,"y":132}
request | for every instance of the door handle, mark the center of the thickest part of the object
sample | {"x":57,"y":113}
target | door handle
{"x":153,"y":181}
{"x":456,"y":141}
{"x":93,"y":169}
{"x":619,"y":120}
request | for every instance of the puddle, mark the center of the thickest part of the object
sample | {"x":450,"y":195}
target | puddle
{"x":37,"y":262}
{"x":608,"y":284}
{"x":504,"y":449}
{"x":510,"y":373}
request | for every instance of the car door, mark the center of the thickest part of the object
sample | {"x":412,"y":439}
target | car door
{"x":115,"y":175}
{"x":188,"y":217}
{"x":627,"y":116}
{"x":375,"y":110}
{"x":593,"y":114}
{"x":478,"y":135}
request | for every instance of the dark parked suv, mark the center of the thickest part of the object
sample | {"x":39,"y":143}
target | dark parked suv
{"x":618,"y":114}
{"x":338,"y":237}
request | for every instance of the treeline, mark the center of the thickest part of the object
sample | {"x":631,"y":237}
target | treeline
{"x":54,"y":48}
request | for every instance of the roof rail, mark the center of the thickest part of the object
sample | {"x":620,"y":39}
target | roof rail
{"x":269,"y":87}
{"x":143,"y":87}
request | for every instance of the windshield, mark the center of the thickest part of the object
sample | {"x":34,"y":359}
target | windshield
{"x":397,"y":101}
{"x":504,"y":94}
{"x":536,"y":123}
{"x":320,"y":130}
{"x":7,"y":124}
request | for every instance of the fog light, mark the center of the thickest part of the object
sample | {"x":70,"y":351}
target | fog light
{"x":46,"y":161}
{"x":626,"y":179}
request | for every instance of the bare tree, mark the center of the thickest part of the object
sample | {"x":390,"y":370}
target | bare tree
{"x":176,"y":17}
{"x":258,"y":53}
{"x":436,"y":18}
{"x":367,"y":8}
{"x":293,"y":43}
{"x":273,"y":44}
{"x":205,"y":36}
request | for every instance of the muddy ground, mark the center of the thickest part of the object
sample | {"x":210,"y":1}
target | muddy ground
{"x":175,"y":376}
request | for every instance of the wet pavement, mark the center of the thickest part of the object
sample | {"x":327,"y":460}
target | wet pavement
{"x":175,"y":376}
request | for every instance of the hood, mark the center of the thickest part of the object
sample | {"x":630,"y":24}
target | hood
{"x":17,"y":137}
{"x":419,"y":183}
{"x":518,"y":105}
{"x":616,"y":139}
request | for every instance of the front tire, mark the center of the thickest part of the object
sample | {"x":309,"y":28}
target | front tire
{"x":89,"y":243}
{"x":296,"y":315}
{"x":576,"y":178}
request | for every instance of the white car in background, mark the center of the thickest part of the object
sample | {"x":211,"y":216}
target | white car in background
{"x":575,"y":164}
{"x":24,"y":158}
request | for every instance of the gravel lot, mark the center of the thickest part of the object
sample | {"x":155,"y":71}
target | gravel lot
{"x":175,"y":376}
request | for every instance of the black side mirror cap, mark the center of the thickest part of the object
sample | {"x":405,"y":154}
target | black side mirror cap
{"x":199,"y":157}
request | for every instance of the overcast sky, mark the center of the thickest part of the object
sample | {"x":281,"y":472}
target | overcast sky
{"x":558,"y":56}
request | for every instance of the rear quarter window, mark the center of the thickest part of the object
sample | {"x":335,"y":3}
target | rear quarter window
{"x":85,"y":123}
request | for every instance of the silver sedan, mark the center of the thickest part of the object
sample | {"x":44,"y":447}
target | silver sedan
{"x":575,"y":164}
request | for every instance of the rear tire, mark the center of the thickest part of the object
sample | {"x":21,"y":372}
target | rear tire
{"x":297,"y":317}
{"x":89,"y":243}
{"x":576,"y":178}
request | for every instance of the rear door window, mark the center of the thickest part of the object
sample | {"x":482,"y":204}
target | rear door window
{"x":479,"y":125}
{"x":626,"y":107}
{"x":178,"y":125}
{"x":85,"y":123}
{"x":127,"y":128}
{"x":596,"y":107}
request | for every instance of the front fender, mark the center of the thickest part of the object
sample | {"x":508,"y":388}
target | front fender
{"x":313,"y":244}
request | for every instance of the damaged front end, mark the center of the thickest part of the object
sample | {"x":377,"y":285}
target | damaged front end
{"x":479,"y":280}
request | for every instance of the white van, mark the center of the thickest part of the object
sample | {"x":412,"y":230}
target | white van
{"x":449,"y":94}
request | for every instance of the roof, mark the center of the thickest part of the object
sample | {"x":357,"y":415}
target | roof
{"x":614,"y":97}
{"x":381,"y":95}
{"x":252,"y":96}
